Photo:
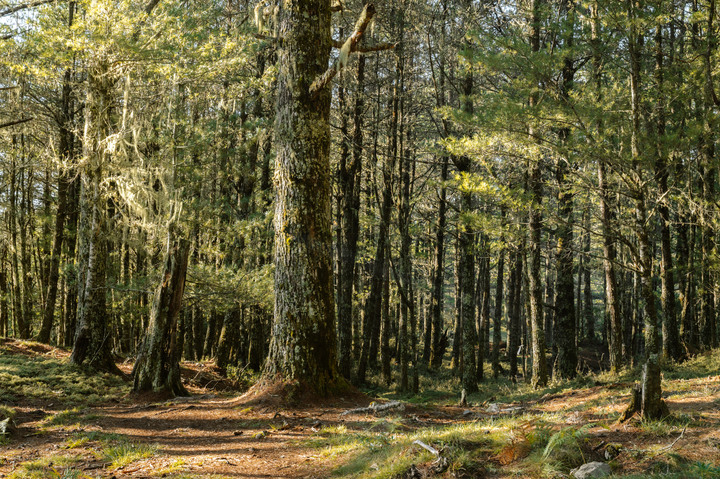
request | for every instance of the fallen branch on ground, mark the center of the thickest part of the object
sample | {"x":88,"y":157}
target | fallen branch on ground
{"x":425,"y":446}
{"x":375,"y":408}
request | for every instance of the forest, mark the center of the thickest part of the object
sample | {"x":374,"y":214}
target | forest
{"x":479,"y":215}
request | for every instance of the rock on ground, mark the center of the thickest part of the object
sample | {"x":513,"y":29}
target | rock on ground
{"x":591,"y":470}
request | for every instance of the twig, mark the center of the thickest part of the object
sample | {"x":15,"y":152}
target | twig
{"x":15,"y":122}
{"x":376,"y":47}
{"x":23,"y":6}
{"x":669,"y":446}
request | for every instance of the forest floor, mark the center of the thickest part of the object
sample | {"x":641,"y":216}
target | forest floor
{"x":73,"y":425}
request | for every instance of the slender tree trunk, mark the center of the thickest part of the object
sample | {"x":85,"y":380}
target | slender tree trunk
{"x":438,"y":291}
{"x":565,"y":314}
{"x":670,"y":333}
{"x":229,"y":338}
{"x":588,"y":310}
{"x":537,"y":334}
{"x":385,"y":350}
{"x":350,"y":229}
{"x":515,"y":306}
{"x":65,"y":147}
{"x":497,"y":316}
{"x":466,"y":243}
{"x":651,"y":405}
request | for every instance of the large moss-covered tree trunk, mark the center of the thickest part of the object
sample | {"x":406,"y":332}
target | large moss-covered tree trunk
{"x":303,"y":335}
{"x":158,"y":364}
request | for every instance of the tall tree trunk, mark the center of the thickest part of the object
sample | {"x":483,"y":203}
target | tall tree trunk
{"x":537,"y":334}
{"x":565,"y":314}
{"x":71,"y":282}
{"x":466,"y":243}
{"x":670,"y":333}
{"x":497,"y":316}
{"x":228,"y":341}
{"x":65,"y":147}
{"x":438,"y":274}
{"x":385,"y":349}
{"x":588,"y":311}
{"x":92,"y":342}
{"x":303,"y":339}
{"x":651,"y":405}
{"x":514,"y":313}
{"x":350,"y":179}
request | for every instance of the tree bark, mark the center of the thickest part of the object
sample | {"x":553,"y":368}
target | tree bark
{"x":92,"y":336}
{"x":438,"y":291}
{"x":158,"y":364}
{"x":350,"y":185}
{"x":303,"y":343}
{"x":65,"y":148}
{"x":670,"y":332}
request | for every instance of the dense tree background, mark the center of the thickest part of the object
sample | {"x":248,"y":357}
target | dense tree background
{"x":517,"y":181}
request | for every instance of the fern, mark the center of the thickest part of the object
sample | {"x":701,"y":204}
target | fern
{"x":565,"y":446}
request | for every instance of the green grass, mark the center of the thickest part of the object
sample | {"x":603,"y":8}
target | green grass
{"x":53,"y":467}
{"x":30,"y":378}
{"x":83,"y":438}
{"x":69,"y":417}
{"x":125,"y":453}
{"x":670,"y":470}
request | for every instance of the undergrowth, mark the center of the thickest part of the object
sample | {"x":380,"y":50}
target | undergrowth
{"x":30,"y":378}
{"x":534,"y":442}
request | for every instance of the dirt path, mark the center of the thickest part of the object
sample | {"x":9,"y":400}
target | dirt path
{"x":202,"y":435}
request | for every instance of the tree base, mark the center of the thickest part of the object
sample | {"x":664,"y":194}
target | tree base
{"x":646,"y":396}
{"x":276,"y":390}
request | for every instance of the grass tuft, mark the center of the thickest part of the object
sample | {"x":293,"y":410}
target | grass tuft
{"x":124,"y":453}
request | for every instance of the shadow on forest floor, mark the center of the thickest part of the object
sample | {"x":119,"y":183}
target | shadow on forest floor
{"x":74,"y":424}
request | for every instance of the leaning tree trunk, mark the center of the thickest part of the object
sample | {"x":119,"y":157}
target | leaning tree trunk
{"x":158,"y":364}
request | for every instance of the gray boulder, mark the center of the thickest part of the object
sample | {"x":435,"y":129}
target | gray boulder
{"x":591,"y":470}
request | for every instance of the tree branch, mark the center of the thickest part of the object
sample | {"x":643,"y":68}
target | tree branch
{"x":367,"y":48}
{"x":323,"y":80}
{"x":150,"y":6}
{"x":23,"y":6}
{"x":15,"y":122}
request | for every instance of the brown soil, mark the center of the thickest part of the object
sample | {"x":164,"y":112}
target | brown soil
{"x":260,"y":434}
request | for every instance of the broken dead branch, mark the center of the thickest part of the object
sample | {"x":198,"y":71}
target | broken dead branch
{"x":346,"y":48}
{"x":427,"y":447}
{"x":375,"y":408}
